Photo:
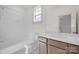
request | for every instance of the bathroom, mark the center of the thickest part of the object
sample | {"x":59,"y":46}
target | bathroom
{"x":20,"y":25}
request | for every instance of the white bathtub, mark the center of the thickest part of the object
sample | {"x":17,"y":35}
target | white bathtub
{"x":12,"y":47}
{"x":20,"y":47}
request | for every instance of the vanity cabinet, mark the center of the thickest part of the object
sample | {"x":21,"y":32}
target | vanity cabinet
{"x":52,"y":46}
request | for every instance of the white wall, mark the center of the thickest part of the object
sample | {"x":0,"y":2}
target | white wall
{"x":53,"y":13}
{"x":50,"y":18}
{"x":14,"y":25}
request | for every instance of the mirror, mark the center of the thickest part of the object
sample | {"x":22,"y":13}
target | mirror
{"x":65,"y":24}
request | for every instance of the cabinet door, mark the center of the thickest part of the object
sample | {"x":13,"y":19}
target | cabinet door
{"x":42,"y":48}
{"x":73,"y":49}
{"x":54,"y":50}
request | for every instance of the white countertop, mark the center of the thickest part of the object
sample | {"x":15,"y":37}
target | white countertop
{"x":64,"y":37}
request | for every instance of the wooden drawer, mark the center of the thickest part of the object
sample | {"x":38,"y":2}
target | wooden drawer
{"x":57,"y":43}
{"x":54,"y":50}
{"x":42,"y":39}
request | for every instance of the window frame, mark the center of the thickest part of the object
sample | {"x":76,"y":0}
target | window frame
{"x":37,"y":14}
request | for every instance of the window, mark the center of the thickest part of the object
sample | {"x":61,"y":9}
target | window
{"x":37,"y":14}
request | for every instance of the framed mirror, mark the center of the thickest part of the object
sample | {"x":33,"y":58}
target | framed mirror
{"x":65,"y":24}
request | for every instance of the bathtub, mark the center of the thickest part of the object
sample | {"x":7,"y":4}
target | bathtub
{"x":14,"y":47}
{"x":19,"y":47}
